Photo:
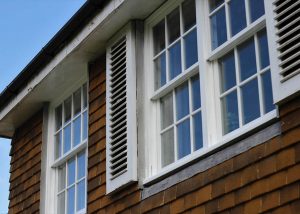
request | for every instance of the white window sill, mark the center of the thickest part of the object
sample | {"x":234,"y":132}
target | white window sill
{"x":227,"y":139}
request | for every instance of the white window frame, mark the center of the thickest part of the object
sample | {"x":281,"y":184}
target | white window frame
{"x":211,"y":60}
{"x":51,"y":174}
{"x":151,"y":98}
{"x":209,"y":85}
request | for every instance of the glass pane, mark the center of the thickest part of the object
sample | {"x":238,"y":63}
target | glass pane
{"x":173,"y":23}
{"x":183,"y":139}
{"x":166,"y":110}
{"x":227,"y":69}
{"x":76,"y":131}
{"x":61,"y":177}
{"x":81,"y":166}
{"x":237,"y":16}
{"x":77,"y":102}
{"x":84,"y":92}
{"x":213,"y":4}
{"x":267,"y":92}
{"x":85,"y":126}
{"x":191,"y":49}
{"x":167,"y":147}
{"x":81,"y":195}
{"x":218,"y":28}
{"x":159,"y":37}
{"x":257,"y":9}
{"x":263,"y":49}
{"x":67,"y":109}
{"x":230,"y":112}
{"x":58,"y":139}
{"x":182,"y":101}
{"x":58,"y":117}
{"x":196,"y":93}
{"x":250,"y":100}
{"x":189,"y":14}
{"x":67,"y":138}
{"x":71,"y":201}
{"x":61,"y":203}
{"x":160,"y":71}
{"x":175,"y":60}
{"x":198,"y":136}
{"x":71,"y":171}
{"x":247,"y":59}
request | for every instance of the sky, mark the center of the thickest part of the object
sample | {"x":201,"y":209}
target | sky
{"x":25,"y":28}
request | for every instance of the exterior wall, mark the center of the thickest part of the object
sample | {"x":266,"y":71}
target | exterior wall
{"x":97,"y":201}
{"x":264,"y":178}
{"x":26,"y":166}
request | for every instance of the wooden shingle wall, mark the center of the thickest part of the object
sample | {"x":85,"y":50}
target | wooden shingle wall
{"x":264,"y":178}
{"x":26,"y":167}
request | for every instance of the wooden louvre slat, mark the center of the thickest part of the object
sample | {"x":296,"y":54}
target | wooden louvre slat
{"x":287,"y":17}
{"x":118,"y":111}
{"x":121,"y":125}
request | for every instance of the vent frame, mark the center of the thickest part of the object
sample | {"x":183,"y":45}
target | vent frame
{"x":285,"y":83}
{"x":121,"y":142}
{"x":287,"y":18}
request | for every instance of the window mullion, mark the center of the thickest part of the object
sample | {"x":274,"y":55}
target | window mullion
{"x":191,"y":116}
{"x":181,"y":38}
{"x":167,"y":51}
{"x":175,"y":126}
{"x":218,"y":131}
{"x":247,"y":12}
{"x":260,"y":88}
{"x":66,"y":187}
{"x":75,"y":184}
{"x":62,"y":130}
{"x":81,"y":115}
{"x":158,"y":164}
{"x":228,"y":24}
{"x":239,"y":94}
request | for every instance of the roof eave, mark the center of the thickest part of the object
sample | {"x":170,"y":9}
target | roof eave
{"x":55,"y":45}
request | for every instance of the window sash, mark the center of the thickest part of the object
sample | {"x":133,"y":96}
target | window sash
{"x":74,"y":185}
{"x":83,"y":114}
{"x":184,"y":76}
{"x":207,"y":67}
{"x":176,"y":122}
{"x":240,"y":83}
{"x":74,"y":151}
{"x":168,"y":46}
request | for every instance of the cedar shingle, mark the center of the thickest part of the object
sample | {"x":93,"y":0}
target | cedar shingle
{"x":26,"y":166}
{"x":270,"y":201}
{"x":250,"y":178}
{"x":290,"y":193}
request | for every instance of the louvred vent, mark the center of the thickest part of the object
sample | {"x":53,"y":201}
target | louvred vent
{"x":118,"y":106}
{"x":288,"y":32}
{"x":121,"y":129}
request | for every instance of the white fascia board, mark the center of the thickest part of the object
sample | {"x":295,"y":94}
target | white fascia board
{"x":65,"y":52}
